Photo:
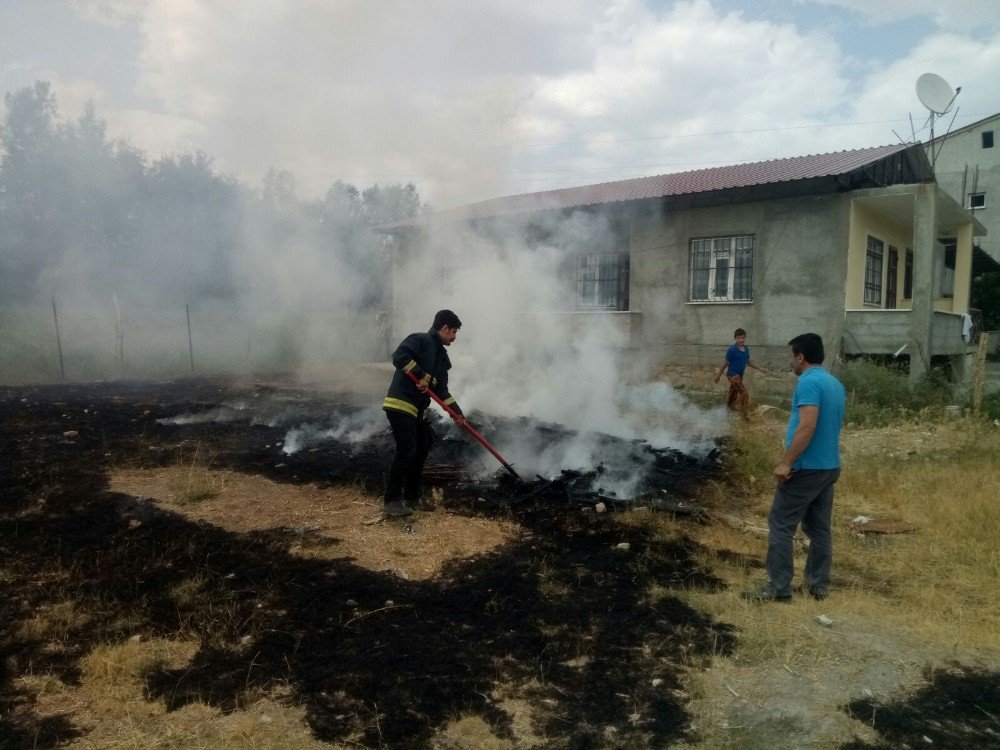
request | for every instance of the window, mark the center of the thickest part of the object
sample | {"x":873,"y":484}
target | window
{"x":947,"y":283}
{"x":987,"y":139}
{"x":721,"y":269}
{"x":977,"y":200}
{"x":890,"y":278}
{"x":908,"y":275}
{"x":602,"y":281}
{"x":873,"y":271}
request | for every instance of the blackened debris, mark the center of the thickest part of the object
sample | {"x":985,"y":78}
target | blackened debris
{"x":958,"y":710}
{"x":562,"y":616}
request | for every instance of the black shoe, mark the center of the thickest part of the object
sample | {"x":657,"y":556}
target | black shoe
{"x":396,"y":509}
{"x":759,"y":596}
{"x":817,"y":594}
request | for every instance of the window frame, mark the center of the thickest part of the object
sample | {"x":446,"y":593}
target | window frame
{"x":611,"y":281}
{"x":977,"y":195}
{"x":874,"y":277}
{"x":987,"y":139}
{"x":721,"y":260}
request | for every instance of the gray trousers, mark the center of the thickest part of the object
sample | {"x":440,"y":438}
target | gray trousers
{"x":806,"y":498}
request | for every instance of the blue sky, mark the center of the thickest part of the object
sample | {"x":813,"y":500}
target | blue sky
{"x":471,"y":100}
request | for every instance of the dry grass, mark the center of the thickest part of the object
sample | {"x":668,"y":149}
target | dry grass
{"x":109,"y":704}
{"x":898,"y":602}
{"x":937,"y":583}
{"x":321,"y":522}
{"x":55,"y":623}
{"x":197,"y":482}
{"x":470,"y":733}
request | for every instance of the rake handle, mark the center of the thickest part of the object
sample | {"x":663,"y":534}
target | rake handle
{"x":455,"y":415}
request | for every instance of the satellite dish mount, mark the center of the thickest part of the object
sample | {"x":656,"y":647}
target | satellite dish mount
{"x":937,"y":95}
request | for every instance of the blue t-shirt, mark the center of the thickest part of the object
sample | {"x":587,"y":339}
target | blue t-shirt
{"x":817,"y":387}
{"x":737,"y":360}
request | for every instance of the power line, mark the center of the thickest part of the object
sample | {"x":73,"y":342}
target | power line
{"x":710,"y":133}
{"x":582,"y":141}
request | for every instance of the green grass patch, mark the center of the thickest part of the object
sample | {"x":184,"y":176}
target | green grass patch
{"x":878,"y":395}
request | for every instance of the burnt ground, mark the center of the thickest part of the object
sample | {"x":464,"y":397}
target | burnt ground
{"x":958,"y":708}
{"x":562,"y":615}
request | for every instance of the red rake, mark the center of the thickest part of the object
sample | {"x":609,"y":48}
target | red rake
{"x":455,"y":415}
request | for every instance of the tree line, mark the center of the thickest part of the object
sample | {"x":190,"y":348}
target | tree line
{"x":82,"y":211}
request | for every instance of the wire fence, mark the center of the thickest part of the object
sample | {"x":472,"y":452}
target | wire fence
{"x":50,"y":340}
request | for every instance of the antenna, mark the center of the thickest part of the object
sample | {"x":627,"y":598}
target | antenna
{"x":937,"y":95}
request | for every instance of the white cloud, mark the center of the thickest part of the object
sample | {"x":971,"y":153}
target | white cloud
{"x":695,"y":70}
{"x":961,"y":61}
{"x":447,"y":93}
{"x":355,"y":90}
{"x":958,"y":15}
{"x":114,"y":13}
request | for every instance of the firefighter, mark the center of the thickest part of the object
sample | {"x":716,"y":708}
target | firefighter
{"x":405,"y":406}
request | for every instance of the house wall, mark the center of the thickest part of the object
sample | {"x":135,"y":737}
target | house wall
{"x":800,"y":253}
{"x":875,"y":331}
{"x":866,"y":221}
{"x":963,"y":150}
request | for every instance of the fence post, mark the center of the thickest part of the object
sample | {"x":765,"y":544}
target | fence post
{"x":187,"y":309}
{"x":980,"y":379}
{"x":55,"y":317}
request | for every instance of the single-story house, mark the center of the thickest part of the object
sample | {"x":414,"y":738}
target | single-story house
{"x":861,"y":246}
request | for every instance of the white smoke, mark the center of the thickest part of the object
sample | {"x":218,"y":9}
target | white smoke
{"x":229,"y":412}
{"x":356,"y":428}
{"x":526,"y":349}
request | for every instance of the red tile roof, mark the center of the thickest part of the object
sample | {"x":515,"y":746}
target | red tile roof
{"x":680,"y":183}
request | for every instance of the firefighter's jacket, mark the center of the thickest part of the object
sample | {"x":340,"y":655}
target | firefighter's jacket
{"x":424,"y":355}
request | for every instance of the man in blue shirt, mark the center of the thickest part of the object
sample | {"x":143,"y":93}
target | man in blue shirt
{"x":737,"y":361}
{"x":805,"y":476}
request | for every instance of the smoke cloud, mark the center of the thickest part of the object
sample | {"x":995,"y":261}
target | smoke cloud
{"x":526,"y":348}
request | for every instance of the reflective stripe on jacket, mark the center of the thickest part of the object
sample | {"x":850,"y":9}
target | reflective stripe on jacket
{"x":424,"y":355}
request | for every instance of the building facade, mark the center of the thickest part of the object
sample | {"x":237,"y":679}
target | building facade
{"x":852,"y":246}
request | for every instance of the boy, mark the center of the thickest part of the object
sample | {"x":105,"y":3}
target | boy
{"x":737,"y":361}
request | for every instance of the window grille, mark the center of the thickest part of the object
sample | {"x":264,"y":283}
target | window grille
{"x":721,"y":269}
{"x":873,"y":271}
{"x":602,"y":281}
{"x":890,"y":279}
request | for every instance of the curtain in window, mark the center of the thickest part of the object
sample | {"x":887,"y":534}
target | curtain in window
{"x":608,"y":281}
{"x":701,"y":263}
{"x":743,"y":275}
{"x":602,"y":281}
{"x":587,"y":280}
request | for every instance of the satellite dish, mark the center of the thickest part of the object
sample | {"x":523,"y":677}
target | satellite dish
{"x":935,"y":93}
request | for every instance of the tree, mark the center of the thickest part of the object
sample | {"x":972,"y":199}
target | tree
{"x":986,"y":297}
{"x":82,"y":213}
